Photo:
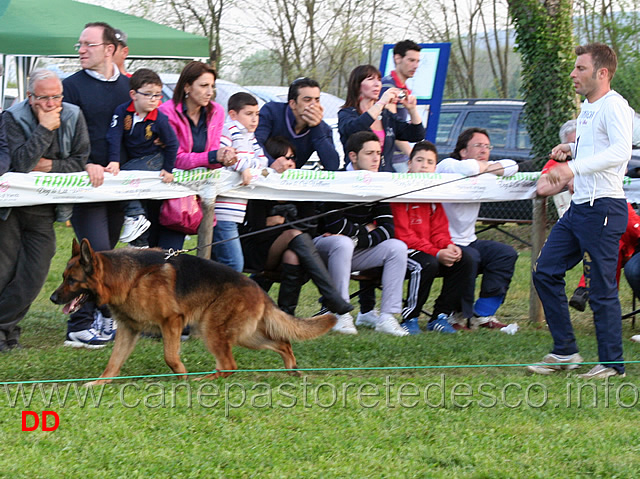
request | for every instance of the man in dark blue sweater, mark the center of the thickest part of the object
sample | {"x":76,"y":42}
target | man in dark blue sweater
{"x":300,"y":122}
{"x":97,"y":89}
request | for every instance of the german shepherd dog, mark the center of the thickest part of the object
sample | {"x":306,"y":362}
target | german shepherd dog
{"x":145,"y":291}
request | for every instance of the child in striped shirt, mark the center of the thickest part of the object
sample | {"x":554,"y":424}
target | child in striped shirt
{"x":239,"y":134}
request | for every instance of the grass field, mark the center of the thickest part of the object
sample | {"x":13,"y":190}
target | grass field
{"x":449,"y":410}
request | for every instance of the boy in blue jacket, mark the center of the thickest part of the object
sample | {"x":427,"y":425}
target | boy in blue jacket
{"x":149,"y":143}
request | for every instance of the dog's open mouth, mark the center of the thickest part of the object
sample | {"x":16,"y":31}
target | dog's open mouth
{"x":75,"y":304}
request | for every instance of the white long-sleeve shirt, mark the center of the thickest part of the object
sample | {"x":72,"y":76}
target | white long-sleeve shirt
{"x":463,"y":216}
{"x":602,"y":148}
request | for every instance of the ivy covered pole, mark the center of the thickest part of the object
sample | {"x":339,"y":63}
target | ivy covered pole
{"x":545,"y":42}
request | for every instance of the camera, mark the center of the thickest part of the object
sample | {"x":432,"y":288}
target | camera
{"x":402,"y":95}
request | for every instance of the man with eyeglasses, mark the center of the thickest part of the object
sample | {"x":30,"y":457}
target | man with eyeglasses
{"x":46,"y":135}
{"x":299,"y":121}
{"x":496,"y":261}
{"x":97,"y":89}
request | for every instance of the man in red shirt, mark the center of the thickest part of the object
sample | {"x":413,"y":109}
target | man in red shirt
{"x":425,"y":229}
{"x":406,"y":57}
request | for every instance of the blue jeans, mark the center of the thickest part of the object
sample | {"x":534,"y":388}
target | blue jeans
{"x":145,"y":163}
{"x":229,"y":252}
{"x":632,"y":273}
{"x":496,"y":262}
{"x":591,"y":234}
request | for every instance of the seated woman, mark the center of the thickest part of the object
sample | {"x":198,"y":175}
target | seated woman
{"x":289,"y":249}
{"x":365,"y":111}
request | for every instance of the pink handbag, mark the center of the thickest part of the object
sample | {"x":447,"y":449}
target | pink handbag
{"x":181,"y":214}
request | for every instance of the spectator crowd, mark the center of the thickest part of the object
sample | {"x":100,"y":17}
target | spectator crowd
{"x":103,"y":120}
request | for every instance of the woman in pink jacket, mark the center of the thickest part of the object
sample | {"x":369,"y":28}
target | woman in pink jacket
{"x":198,"y":122}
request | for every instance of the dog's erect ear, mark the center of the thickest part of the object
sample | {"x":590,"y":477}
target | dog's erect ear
{"x":75,"y":248}
{"x":86,"y":256}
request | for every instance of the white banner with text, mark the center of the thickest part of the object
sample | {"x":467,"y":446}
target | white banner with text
{"x":23,"y":189}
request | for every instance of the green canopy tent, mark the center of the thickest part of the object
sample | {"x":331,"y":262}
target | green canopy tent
{"x":33,"y":28}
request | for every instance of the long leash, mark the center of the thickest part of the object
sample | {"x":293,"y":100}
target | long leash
{"x":171,"y":252}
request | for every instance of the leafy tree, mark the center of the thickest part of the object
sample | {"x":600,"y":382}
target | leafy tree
{"x":201,"y":17}
{"x":544,"y":41}
{"x":323,"y":39}
{"x":260,"y":68}
{"x":617,"y":24}
{"x":482,"y":61}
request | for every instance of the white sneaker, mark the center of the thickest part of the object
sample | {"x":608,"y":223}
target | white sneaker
{"x":388,"y":324}
{"x":134,"y":226}
{"x":600,"y":371}
{"x":105,"y":326}
{"x":98,"y":320}
{"x":489,"y":322}
{"x":345,"y":324}
{"x":552,"y":363}
{"x":636,"y":338}
{"x":370,"y":319}
{"x":109,"y":328}
{"x":87,"y":338}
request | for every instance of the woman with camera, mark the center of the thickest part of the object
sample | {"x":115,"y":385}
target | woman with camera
{"x":366,"y":110}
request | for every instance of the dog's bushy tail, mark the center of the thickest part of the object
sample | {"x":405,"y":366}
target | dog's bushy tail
{"x":281,"y":325}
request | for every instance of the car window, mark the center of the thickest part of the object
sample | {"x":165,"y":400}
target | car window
{"x":495,"y":122}
{"x":523,"y":140}
{"x":445,"y":127}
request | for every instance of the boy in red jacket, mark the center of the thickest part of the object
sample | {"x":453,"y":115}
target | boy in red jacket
{"x":425,"y":229}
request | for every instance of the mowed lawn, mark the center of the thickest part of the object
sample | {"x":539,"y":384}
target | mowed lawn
{"x":372,"y":406}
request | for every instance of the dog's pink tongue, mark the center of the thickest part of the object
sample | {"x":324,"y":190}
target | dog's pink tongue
{"x":70,"y":306}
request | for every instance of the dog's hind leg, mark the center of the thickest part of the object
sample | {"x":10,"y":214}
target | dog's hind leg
{"x":171,"y":330}
{"x":284,"y":349}
{"x":124,"y":343}
{"x":221,"y":349}
{"x":280,"y":346}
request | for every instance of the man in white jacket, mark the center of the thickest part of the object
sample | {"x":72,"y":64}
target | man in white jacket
{"x":496,"y":261}
{"x":590,"y":230}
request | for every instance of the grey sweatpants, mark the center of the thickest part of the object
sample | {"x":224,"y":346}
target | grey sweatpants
{"x":341,"y":258}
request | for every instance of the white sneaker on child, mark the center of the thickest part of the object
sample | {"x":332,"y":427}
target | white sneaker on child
{"x":134,"y":226}
{"x":345,"y":324}
{"x":388,"y":324}
{"x":369,"y":319}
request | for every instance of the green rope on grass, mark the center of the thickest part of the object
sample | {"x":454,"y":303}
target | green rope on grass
{"x":373,"y":368}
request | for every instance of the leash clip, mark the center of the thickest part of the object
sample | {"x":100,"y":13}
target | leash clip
{"x":171,"y":252}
